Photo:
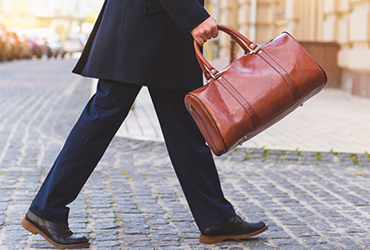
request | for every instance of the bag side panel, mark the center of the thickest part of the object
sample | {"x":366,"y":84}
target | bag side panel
{"x":301,"y":67}
{"x":230,"y":117}
{"x":261,"y":86}
{"x":206,"y":123}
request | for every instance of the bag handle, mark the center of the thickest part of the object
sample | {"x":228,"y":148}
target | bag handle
{"x":208,"y":70}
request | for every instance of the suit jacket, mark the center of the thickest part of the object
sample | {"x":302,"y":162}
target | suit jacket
{"x":145,"y":42}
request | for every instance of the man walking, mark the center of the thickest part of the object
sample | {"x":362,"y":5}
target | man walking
{"x":139,"y":43}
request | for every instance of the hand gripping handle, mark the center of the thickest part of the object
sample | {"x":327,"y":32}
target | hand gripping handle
{"x":208,"y":70}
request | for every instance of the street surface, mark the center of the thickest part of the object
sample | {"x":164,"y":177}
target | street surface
{"x":310,"y":200}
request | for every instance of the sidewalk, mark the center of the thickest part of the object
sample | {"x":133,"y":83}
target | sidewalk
{"x":133,"y":200}
{"x":332,"y":121}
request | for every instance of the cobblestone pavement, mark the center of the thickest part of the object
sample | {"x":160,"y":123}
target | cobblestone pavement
{"x":133,"y":199}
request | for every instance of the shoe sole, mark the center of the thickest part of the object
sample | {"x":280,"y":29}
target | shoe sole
{"x":220,"y":238}
{"x":35,"y":230}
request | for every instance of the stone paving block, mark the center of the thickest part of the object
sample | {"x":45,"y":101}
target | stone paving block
{"x":164,"y":232}
{"x":256,"y":243}
{"x":238,"y":155}
{"x":199,"y":248}
{"x":191,"y":241}
{"x":285,"y":241}
{"x":106,"y":244}
{"x":275,"y":152}
{"x":164,"y":243}
{"x":321,"y":247}
{"x":106,"y":226}
{"x":272,"y":157}
{"x":292,"y":247}
{"x":314,"y":240}
{"x":141,"y":248}
{"x":278,"y":235}
{"x":192,"y":235}
{"x":257,"y":151}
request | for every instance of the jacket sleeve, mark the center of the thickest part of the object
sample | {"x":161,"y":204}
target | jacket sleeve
{"x":187,"y":14}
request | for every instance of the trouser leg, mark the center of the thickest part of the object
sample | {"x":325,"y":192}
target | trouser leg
{"x":83,"y":149}
{"x":191,"y":158}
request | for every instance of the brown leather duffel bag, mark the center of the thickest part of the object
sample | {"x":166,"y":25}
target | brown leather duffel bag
{"x":253,"y":92}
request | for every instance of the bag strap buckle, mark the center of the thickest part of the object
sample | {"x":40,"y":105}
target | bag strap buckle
{"x":255,"y":50}
{"x":210,"y":74}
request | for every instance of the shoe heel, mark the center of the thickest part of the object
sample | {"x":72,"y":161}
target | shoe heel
{"x":210,"y":239}
{"x":29,"y":227}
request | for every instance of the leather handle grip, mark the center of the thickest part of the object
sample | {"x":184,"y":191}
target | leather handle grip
{"x":245,"y":43}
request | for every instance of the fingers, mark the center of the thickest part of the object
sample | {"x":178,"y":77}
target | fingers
{"x":209,"y":33}
{"x":205,"y":31}
{"x":215,"y":32}
{"x":201,"y":38}
{"x":202,"y":35}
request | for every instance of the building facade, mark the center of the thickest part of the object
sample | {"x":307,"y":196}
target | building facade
{"x":61,"y":16}
{"x":335,"y":32}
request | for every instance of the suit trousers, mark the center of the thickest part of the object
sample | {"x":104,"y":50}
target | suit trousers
{"x":96,"y":127}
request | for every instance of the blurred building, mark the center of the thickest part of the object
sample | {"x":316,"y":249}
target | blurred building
{"x":335,"y":32}
{"x":61,"y":16}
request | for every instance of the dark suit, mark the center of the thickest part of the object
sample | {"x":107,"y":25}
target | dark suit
{"x":139,"y":42}
{"x":136,"y":43}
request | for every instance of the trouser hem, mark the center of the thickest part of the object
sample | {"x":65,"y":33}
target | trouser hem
{"x":53,"y":217}
{"x":221,"y":219}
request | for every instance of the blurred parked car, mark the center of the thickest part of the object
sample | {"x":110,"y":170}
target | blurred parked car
{"x":74,"y":43}
{"x":55,"y":45}
{"x":6,"y":45}
{"x":45,"y":49}
{"x":26,"y":47}
{"x":38,"y":46}
{"x":35,"y":47}
{"x":15,"y":46}
{"x":21,"y":49}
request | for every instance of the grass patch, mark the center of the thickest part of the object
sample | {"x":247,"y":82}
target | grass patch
{"x":318,"y":156}
{"x":299,"y":152}
{"x":148,"y":144}
{"x":266,"y":153}
{"x":121,"y":222}
{"x":125,"y":173}
{"x":334,"y":153}
{"x":355,"y":159}
{"x":247,"y":156}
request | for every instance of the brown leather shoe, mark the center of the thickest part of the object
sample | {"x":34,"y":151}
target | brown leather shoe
{"x":233,"y":229}
{"x":57,"y":234}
